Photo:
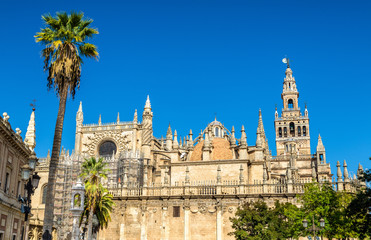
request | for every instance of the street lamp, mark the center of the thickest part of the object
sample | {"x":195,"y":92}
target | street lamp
{"x":314,"y":229}
{"x":30,"y":187}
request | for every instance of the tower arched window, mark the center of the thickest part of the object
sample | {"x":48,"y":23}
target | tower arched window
{"x":292,"y":129}
{"x":285,"y":131}
{"x":290,"y":103}
{"x":304,"y":131}
{"x":216,"y":132}
{"x":299,"y":131}
{"x":279,"y":132}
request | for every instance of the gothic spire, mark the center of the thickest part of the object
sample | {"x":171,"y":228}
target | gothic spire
{"x":339,"y":175}
{"x":260,"y":124}
{"x":175,"y":142}
{"x":169,"y":133}
{"x":320,"y":147}
{"x":243,"y":141}
{"x":30,"y":138}
{"x":118,"y":117}
{"x":148,"y":104}
{"x":346,"y":175}
{"x":135,"y":120}
{"x":100,"y":120}
{"x":233,"y":138}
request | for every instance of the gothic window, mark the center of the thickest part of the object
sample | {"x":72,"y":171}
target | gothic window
{"x":43,"y":198}
{"x":285,"y":132}
{"x":304,"y":131}
{"x":107,"y":148}
{"x":279,"y":132}
{"x":216,"y":132}
{"x":290,"y":103}
{"x":299,"y":131}
{"x":176,"y":211}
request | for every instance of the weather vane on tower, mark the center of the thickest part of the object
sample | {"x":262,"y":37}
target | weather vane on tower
{"x":33,"y":105}
{"x":287,"y":61}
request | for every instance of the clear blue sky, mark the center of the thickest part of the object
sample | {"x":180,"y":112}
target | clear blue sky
{"x":198,"y":58}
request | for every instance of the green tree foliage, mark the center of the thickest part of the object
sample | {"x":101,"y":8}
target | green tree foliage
{"x":65,"y":39}
{"x":256,"y":221}
{"x":99,"y":201}
{"x":359,"y":209}
{"x":345,"y":216}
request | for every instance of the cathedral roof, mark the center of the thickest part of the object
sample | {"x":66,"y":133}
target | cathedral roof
{"x":221,"y":150}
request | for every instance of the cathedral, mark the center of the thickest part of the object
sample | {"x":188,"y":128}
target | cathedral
{"x":173,"y":188}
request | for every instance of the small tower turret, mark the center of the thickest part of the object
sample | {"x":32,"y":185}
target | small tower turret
{"x":147,"y":132}
{"x":321,"y":152}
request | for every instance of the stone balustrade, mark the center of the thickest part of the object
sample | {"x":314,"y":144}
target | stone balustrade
{"x":223,"y":188}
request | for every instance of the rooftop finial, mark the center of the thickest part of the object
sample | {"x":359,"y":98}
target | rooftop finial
{"x":118,"y":117}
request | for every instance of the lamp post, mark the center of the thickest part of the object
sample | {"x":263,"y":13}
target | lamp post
{"x":314,"y":229}
{"x":30,"y":186}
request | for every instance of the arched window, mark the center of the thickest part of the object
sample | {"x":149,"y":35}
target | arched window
{"x":290,"y":103}
{"x":279,"y":132}
{"x":292,"y":129}
{"x":285,"y":132}
{"x":299,"y":131}
{"x":43,"y":197}
{"x":304,"y":131}
{"x":216,"y":132}
{"x":107,"y":148}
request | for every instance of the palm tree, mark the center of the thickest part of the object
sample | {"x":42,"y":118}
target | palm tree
{"x":103,"y":208}
{"x":64,"y":37}
{"x":92,"y":172}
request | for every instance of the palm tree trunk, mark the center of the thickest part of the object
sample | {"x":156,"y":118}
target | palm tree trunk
{"x":49,"y":204}
{"x":90,"y":221}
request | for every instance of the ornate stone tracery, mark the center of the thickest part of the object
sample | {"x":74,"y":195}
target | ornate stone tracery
{"x":121,"y":138}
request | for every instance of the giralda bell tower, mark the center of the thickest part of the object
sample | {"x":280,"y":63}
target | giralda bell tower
{"x":292,"y":128}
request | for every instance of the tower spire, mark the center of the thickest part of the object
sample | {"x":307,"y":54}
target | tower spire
{"x":243,"y":141}
{"x":30,"y":138}
{"x":118,"y":117}
{"x":320,"y":146}
{"x":135,"y":120}
{"x":175,"y":142}
{"x":148,"y":103}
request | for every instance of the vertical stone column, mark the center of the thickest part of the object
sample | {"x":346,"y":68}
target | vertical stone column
{"x":143,"y":226}
{"x":164,"y":218}
{"x":219,"y":220}
{"x":122,"y":231}
{"x":186,"y":219}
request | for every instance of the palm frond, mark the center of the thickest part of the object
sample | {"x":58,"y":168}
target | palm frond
{"x":89,"y":50}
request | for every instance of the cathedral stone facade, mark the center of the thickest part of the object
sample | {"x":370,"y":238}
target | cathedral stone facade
{"x":188,"y":188}
{"x":173,"y":188}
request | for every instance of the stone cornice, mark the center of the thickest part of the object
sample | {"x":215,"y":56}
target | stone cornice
{"x":13,"y":139}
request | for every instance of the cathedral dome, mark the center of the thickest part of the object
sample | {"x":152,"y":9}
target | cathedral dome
{"x":221,"y":150}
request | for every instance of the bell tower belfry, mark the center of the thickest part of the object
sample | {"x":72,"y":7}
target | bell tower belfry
{"x":292,"y":128}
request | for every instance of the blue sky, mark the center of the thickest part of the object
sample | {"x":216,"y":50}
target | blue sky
{"x":198,"y":58}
